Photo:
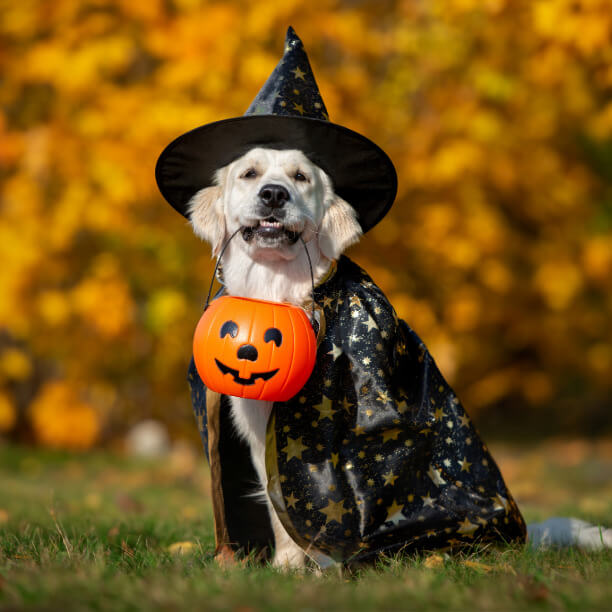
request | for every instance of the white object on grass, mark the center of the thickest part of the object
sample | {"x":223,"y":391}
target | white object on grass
{"x":565,"y":532}
{"x":148,"y":439}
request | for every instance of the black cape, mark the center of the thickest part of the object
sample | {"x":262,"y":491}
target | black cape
{"x":374,"y":454}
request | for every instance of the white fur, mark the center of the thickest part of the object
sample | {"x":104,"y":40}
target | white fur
{"x":280,"y":272}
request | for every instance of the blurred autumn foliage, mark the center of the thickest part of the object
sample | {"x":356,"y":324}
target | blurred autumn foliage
{"x":498,"y":251}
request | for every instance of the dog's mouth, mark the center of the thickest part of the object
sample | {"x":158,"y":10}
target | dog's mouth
{"x":245,"y":381}
{"x":270,"y":230}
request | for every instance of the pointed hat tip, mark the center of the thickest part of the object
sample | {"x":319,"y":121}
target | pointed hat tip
{"x":292,"y":39}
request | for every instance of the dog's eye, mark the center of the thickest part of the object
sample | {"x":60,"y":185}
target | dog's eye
{"x":229,"y":327}
{"x":250,"y":173}
{"x":300,"y":177}
{"x":273,"y":335}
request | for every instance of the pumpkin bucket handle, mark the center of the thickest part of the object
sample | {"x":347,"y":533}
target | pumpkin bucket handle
{"x":212,"y":280}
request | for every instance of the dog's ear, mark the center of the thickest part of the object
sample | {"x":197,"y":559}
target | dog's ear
{"x":207,"y":218}
{"x":339,"y":228}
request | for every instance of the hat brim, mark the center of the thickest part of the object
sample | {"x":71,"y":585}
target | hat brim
{"x":361,"y":172}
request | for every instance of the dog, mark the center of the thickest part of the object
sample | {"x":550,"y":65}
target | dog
{"x":273,"y":199}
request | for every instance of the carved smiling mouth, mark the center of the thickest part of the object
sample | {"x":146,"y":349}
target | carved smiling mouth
{"x":270,"y":229}
{"x":245,"y":381}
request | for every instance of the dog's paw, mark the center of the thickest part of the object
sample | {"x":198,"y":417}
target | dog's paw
{"x":289,"y":557}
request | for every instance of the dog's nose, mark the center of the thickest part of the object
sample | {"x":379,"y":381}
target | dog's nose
{"x":247,"y":351}
{"x":274,"y":196}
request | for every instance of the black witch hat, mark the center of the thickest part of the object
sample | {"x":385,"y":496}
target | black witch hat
{"x":288,"y":113}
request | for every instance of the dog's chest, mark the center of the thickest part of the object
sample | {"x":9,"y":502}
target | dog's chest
{"x":250,"y":419}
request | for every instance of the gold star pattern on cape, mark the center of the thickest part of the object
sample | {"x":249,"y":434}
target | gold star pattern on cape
{"x":291,"y":501}
{"x":467,"y":528}
{"x":378,"y":435}
{"x":336,"y":351}
{"x":334,"y":511}
{"x":347,"y":404}
{"x":383,"y":397}
{"x":439,"y":414}
{"x":394,"y":513}
{"x":500,"y":502}
{"x":436,"y":476}
{"x":402,"y":407}
{"x":391,"y":434}
{"x":294,"y":448}
{"x":325,"y":408}
{"x":370,"y":323}
{"x":465,"y":465}
{"x":389,"y":478}
{"x":428,"y":501}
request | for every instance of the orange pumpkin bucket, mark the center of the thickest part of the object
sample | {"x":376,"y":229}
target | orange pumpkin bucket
{"x":255,"y":349}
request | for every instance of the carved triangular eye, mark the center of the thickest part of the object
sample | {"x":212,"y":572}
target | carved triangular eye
{"x":273,"y":335}
{"x":229,"y":327}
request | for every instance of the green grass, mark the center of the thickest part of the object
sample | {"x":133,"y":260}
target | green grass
{"x":92,"y":532}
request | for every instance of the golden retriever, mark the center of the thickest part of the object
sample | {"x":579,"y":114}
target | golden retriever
{"x":273,"y":197}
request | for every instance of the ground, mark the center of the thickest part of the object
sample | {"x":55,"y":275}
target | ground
{"x":98,"y":531}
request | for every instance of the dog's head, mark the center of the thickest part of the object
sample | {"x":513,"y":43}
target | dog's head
{"x":274,"y":197}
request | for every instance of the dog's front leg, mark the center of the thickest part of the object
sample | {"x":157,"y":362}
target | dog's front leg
{"x":251,"y":419}
{"x":287,"y":554}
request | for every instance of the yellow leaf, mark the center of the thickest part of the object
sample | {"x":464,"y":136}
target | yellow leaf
{"x":434,"y":562}
{"x":478,"y":566}
{"x":182,"y":548}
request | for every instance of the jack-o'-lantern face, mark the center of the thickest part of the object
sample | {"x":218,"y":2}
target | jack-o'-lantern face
{"x":254,"y":349}
{"x":248,"y":351}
